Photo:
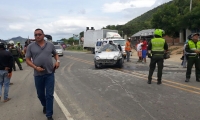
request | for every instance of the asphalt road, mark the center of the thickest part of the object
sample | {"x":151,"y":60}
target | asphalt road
{"x":85,"y":93}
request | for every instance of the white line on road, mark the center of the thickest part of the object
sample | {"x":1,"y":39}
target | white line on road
{"x":63,"y":108}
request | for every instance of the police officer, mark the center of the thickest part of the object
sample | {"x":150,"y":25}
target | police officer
{"x":157,"y":47}
{"x":193,"y":50}
{"x":16,"y":55}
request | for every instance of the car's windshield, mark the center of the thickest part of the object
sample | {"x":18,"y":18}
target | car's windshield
{"x":109,"y":47}
{"x":121,"y":42}
{"x":58,"y":47}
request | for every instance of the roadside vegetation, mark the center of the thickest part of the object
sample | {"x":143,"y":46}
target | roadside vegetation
{"x":172,"y":17}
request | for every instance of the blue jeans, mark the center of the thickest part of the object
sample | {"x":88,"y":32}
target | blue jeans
{"x":45,"y":84}
{"x":4,"y":80}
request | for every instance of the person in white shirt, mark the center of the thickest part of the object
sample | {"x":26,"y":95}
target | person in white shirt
{"x":184,"y":63}
{"x":139,"y":50}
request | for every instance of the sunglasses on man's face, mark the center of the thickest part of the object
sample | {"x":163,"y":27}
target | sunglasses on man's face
{"x":38,"y":35}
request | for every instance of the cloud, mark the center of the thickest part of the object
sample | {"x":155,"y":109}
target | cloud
{"x":63,"y":26}
{"x":122,"y":5}
{"x":83,"y":11}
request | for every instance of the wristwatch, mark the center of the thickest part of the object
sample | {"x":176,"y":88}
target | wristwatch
{"x":57,"y":60}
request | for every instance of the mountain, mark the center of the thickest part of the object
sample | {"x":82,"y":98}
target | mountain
{"x":18,"y":39}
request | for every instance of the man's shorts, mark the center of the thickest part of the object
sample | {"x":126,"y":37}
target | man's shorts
{"x":144,"y":53}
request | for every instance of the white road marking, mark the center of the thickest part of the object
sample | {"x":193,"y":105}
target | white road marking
{"x":63,"y":108}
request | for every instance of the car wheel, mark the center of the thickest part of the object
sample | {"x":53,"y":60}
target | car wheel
{"x":120,"y":63}
{"x":96,"y":66}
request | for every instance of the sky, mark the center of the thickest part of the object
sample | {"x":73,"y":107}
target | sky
{"x":63,"y":18}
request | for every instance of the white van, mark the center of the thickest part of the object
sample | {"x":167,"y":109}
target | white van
{"x":122,"y":43}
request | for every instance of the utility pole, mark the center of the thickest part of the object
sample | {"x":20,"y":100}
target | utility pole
{"x":190,"y":5}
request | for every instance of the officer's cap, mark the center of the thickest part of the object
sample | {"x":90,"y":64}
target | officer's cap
{"x":192,"y":35}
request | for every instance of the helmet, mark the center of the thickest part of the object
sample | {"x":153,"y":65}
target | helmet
{"x":20,"y":60}
{"x":11,"y":42}
{"x":159,"y":32}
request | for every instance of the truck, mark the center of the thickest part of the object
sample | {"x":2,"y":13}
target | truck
{"x":94,"y":39}
{"x":91,"y":37}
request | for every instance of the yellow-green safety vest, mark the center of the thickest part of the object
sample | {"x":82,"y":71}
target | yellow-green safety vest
{"x":193,"y":46}
{"x":157,"y":45}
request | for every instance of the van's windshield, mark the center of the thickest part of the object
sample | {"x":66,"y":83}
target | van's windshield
{"x":98,"y":43}
{"x":121,"y":42}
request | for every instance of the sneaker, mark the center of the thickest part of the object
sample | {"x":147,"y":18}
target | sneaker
{"x":50,"y":118}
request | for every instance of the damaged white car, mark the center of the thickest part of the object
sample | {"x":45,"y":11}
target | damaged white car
{"x":108,"y":54}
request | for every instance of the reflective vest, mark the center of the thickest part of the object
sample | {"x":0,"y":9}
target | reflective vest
{"x":128,"y":46}
{"x":193,"y":46}
{"x":157,"y":45}
{"x":14,"y":51}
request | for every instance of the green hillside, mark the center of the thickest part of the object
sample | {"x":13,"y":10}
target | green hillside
{"x":146,"y":17}
{"x":139,"y":23}
{"x":171,"y":17}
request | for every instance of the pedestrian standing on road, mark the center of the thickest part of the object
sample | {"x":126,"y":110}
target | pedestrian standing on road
{"x":41,"y":53}
{"x":15,"y":53}
{"x":157,"y":47}
{"x":144,"y":50}
{"x":138,"y":42}
{"x":193,"y":51}
{"x":139,"y":51}
{"x":6,"y":63}
{"x":184,"y":63}
{"x":128,"y":49}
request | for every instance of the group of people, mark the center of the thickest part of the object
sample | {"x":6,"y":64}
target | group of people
{"x":140,"y":47}
{"x":39,"y":57}
{"x":157,"y":51}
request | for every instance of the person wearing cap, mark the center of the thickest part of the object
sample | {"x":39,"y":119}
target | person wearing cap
{"x":6,"y":63}
{"x":193,"y":51}
{"x":157,"y":47}
{"x":128,"y":49}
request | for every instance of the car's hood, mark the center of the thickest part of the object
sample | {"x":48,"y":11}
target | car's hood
{"x":107,"y":55}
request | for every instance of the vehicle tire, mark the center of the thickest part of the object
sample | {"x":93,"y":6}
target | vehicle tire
{"x":96,"y":66}
{"x":92,"y":51}
{"x":120,"y":63}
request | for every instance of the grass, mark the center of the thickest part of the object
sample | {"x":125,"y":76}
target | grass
{"x":76,"y":48}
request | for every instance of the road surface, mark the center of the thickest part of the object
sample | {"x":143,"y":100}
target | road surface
{"x":85,"y":93}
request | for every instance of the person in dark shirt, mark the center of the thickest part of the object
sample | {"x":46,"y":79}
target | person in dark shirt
{"x":6,"y":63}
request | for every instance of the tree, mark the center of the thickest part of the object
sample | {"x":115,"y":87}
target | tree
{"x":191,"y":19}
{"x":167,"y":18}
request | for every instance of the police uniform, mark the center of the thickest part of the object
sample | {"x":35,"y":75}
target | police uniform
{"x":15,"y":54}
{"x":157,"y":46}
{"x":193,"y":58}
